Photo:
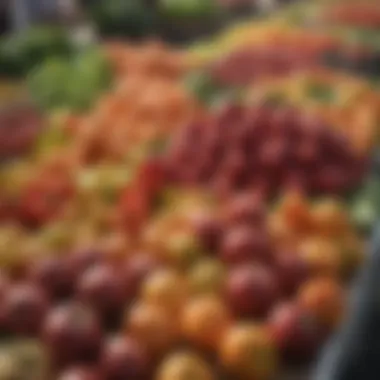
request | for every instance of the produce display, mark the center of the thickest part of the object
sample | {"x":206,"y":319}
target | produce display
{"x":169,"y":215}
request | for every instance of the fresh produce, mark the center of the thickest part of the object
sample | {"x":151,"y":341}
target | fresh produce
{"x":20,"y":127}
{"x":306,"y":154}
{"x":251,"y":291}
{"x":154,"y":326}
{"x":72,"y":334}
{"x":24,"y":309}
{"x":248,"y":352}
{"x":21,"y":52}
{"x":73,"y":83}
{"x":102,"y":288}
{"x":79,"y":373}
{"x":184,"y":365}
{"x":124,"y":358}
{"x":324,"y":299}
{"x":204,"y":320}
{"x":296,"y":332}
{"x":345,"y":103}
{"x":187,"y":223}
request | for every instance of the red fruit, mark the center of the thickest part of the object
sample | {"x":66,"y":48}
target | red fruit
{"x":297,"y":334}
{"x":84,"y":259}
{"x":4,"y":285}
{"x":246,"y":209}
{"x":244,"y":244}
{"x":251,"y":290}
{"x":25,"y":306}
{"x":79,"y":373}
{"x":124,"y":358}
{"x":151,"y":176}
{"x":72,"y":334}
{"x":101,"y":287}
{"x":135,"y":207}
{"x":55,"y":275}
{"x":209,"y":232}
{"x":44,"y":199}
{"x":291,"y":272}
{"x":136,"y":270}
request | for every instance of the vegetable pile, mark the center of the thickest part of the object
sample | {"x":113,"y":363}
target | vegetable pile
{"x":170,"y":215}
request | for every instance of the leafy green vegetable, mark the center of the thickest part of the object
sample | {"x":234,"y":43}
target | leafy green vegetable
{"x":19,"y":53}
{"x":70,"y":83}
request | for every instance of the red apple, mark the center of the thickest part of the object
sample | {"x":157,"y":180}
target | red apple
{"x":251,"y":290}
{"x":72,"y":334}
{"x":297,"y":334}
{"x":124,"y":358}
{"x":25,"y":306}
{"x":245,"y":209}
{"x":54,"y":274}
{"x":102,"y":288}
{"x":79,"y":373}
{"x":244,"y":244}
{"x":136,"y":269}
{"x":209,"y":231}
{"x":291,"y":272}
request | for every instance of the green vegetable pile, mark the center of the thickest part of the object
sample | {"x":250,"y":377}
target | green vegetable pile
{"x":21,"y":52}
{"x":72,"y":83}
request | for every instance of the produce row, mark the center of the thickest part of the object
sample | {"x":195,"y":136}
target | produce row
{"x":197,"y":216}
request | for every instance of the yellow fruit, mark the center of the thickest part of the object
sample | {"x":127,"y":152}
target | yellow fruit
{"x":207,"y":277}
{"x":184,"y":366}
{"x":204,"y":319}
{"x":325,"y":299}
{"x":329,"y":217}
{"x":322,"y":256}
{"x":155,"y":327}
{"x":165,"y":288}
{"x":248,"y":352}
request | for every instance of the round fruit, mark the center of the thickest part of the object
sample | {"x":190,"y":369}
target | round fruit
{"x":207,"y":277}
{"x":165,"y":288}
{"x":209,"y":231}
{"x":296,"y":211}
{"x":136,"y":270}
{"x":291,"y":272}
{"x":4,"y":285}
{"x":55,"y":275}
{"x":25,"y":306}
{"x":297,"y":334}
{"x":184,"y":366}
{"x":102,"y":288}
{"x":324,"y":299}
{"x":72,"y":334}
{"x":182,"y":249}
{"x":244,"y":244}
{"x":124,"y":358}
{"x":204,"y":319}
{"x":79,"y":373}
{"x":153,"y":326}
{"x":248,"y":351}
{"x":251,"y":290}
{"x":322,"y":256}
{"x":245,"y":209}
{"x":329,"y":217}
{"x":84,"y":259}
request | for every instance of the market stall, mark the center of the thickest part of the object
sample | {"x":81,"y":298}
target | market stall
{"x":191,"y":212}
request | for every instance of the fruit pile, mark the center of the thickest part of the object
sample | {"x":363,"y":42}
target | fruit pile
{"x":156,"y":236}
{"x":268,"y":148}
